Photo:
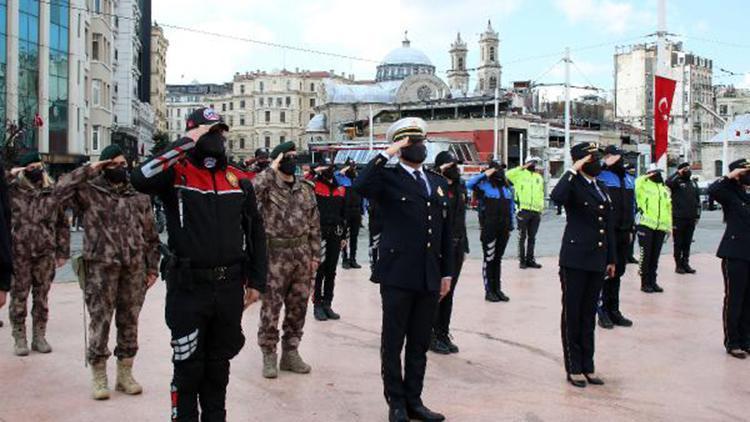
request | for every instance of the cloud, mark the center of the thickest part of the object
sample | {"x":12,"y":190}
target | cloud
{"x":745,"y":83}
{"x":608,"y":15}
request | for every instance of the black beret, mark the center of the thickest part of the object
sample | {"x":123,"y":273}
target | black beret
{"x":110,"y":152}
{"x":683,"y":165}
{"x":29,"y":158}
{"x":282,"y":148}
{"x":261,"y":153}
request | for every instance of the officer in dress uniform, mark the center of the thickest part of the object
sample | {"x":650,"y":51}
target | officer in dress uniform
{"x":587,"y":255}
{"x":414,"y":268}
{"x":731,"y":192}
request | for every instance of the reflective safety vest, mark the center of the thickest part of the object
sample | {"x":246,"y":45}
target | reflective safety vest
{"x":529,"y":188}
{"x":654,"y":202}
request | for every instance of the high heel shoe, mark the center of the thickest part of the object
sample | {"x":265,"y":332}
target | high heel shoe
{"x":593,"y":380}
{"x":576,"y":383}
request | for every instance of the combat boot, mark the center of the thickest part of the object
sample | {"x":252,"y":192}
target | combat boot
{"x":291,"y":361}
{"x":125,"y":381}
{"x":687,"y":267}
{"x":99,"y":387}
{"x":39,"y":342}
{"x":491,"y":296}
{"x":354,"y":264}
{"x":437,"y":345}
{"x":604,"y":320}
{"x":270,"y":368}
{"x":319,"y":313}
{"x":21,"y":345}
{"x":330,"y":314}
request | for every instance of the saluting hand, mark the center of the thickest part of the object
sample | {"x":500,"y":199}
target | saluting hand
{"x":277,"y":161}
{"x":16,"y":170}
{"x":98,"y":165}
{"x":736,"y":173}
{"x":395,"y":147}
{"x":490,"y":172}
{"x":445,"y":286}
{"x":251,"y":296}
{"x":578,"y":165}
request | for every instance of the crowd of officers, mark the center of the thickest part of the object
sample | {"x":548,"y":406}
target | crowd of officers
{"x":239,"y":234}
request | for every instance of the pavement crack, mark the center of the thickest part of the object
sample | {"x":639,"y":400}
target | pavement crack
{"x":534,"y":350}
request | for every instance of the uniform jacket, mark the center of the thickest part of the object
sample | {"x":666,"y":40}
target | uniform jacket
{"x":622,"y":193}
{"x":529,"y":188}
{"x":588,"y":242}
{"x":415,"y":249}
{"x":654,"y":204}
{"x":289,"y":212}
{"x":496,"y":205}
{"x":39,"y":225}
{"x":353,"y":200}
{"x":119,"y":224}
{"x":735,"y":203}
{"x":457,"y":198}
{"x":6,"y":262}
{"x":212,"y":217}
{"x":330,"y":199}
{"x":686,"y":202}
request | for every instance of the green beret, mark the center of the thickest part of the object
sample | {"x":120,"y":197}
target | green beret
{"x":29,"y":158}
{"x":282,"y":149}
{"x":110,"y":152}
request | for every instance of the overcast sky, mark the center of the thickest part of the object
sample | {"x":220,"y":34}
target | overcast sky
{"x":369,"y":29}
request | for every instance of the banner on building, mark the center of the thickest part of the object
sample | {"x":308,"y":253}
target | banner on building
{"x":663,"y":95}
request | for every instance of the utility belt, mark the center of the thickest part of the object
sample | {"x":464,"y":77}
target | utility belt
{"x":183,"y":272}
{"x":286,"y":242}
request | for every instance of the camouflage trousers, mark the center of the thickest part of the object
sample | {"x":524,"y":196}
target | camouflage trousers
{"x":31,"y":276}
{"x":116,"y":289}
{"x":289,"y":284}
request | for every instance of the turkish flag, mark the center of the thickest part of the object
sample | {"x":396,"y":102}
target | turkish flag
{"x":663,"y":94}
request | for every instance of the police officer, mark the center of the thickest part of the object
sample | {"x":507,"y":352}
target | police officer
{"x":496,"y":211}
{"x":374,"y":228}
{"x":330,"y":197}
{"x":731,"y":192}
{"x":587,"y":255}
{"x":630,"y":170}
{"x":655,"y":211}
{"x":217,"y":257}
{"x":354,"y":210}
{"x":415,"y":265}
{"x":446,"y":165}
{"x":528,"y":185}
{"x":686,"y":211}
{"x":621,"y":187}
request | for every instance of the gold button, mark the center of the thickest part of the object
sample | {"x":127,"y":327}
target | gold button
{"x":428,"y":203}
{"x":429,"y":231}
{"x":601,"y":231}
{"x":429,"y":244}
{"x":403,"y":198}
{"x":601,"y":244}
{"x":601,"y":219}
{"x":429,"y":217}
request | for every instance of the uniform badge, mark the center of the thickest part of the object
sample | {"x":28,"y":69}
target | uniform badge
{"x":440,"y":191}
{"x":232,"y":179}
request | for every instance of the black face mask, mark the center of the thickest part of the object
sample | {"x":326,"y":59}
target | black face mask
{"x":452,"y":173}
{"x":351,"y":174}
{"x":262,"y":165}
{"x":415,"y":153}
{"x":687,"y":175}
{"x":327,"y":174}
{"x":498,"y":178}
{"x":745,"y":178}
{"x":35,"y":175}
{"x":116,"y":175}
{"x":593,"y":168}
{"x":531,"y":168}
{"x":210,"y":146}
{"x":617,"y":168}
{"x":657,"y":178}
{"x":288,"y":165}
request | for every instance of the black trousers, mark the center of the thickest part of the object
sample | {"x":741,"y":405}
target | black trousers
{"x":650,"y":242}
{"x":580,"y":293}
{"x":374,"y":243}
{"x":353,"y":223}
{"x":325,"y":278}
{"x":493,"y":249}
{"x":528,"y":225}
{"x":204,"y":316}
{"x":442,"y":322}
{"x":736,"y":313}
{"x":407,"y":316}
{"x":611,"y":287}
{"x":683,"y":238}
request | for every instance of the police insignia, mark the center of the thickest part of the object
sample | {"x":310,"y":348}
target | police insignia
{"x":232,"y":179}
{"x":440,"y":191}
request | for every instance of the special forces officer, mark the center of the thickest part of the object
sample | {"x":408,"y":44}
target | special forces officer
{"x":587,"y":255}
{"x":496,"y":211}
{"x":415,"y":263}
{"x":217,"y":257}
{"x":686,"y":211}
{"x":528,"y":186}
{"x":121,"y":256}
{"x":290,"y":212}
{"x":732,"y":193}
{"x":655,"y":211}
{"x":41,"y":243}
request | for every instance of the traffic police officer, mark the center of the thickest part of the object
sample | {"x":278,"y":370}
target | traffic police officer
{"x":587,"y":255}
{"x":655,"y":211}
{"x":415,"y":265}
{"x":621,"y":188}
{"x":496,"y":211}
{"x":528,"y":185}
{"x":217,"y":256}
{"x":686,"y":210}
{"x":731,"y":192}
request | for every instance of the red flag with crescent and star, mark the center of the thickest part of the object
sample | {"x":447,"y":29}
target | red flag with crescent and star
{"x":663,"y":95}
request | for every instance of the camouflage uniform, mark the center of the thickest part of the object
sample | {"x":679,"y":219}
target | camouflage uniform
{"x":293,"y":232}
{"x":40,"y":234}
{"x":120,"y":247}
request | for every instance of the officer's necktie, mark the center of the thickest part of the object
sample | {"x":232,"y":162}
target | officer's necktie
{"x":422,"y":183}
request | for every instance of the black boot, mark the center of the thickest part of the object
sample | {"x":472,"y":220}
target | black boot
{"x":438,"y":346}
{"x":491,"y":296}
{"x":604,"y":320}
{"x":523,"y":264}
{"x":502,"y":297}
{"x":618,"y":319}
{"x":345,"y":264}
{"x":531,"y":263}
{"x":647,"y":288}
{"x":319,"y":313}
{"x":657,"y":288}
{"x":354,"y":264}
{"x":448,"y":340}
{"x":678,"y":266}
{"x":329,"y":312}
{"x":687,"y":267}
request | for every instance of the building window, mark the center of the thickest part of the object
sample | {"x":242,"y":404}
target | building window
{"x":179,"y":112}
{"x":268,"y":116}
{"x":492,"y":54}
{"x":312,"y":87}
{"x":311,"y":116}
{"x":493,"y":82}
{"x":278,"y":102}
{"x":260,"y":86}
{"x":260,"y":101}
{"x":231,"y":121}
{"x":288,"y":101}
{"x":242,"y":120}
{"x":267,"y":141}
{"x":96,"y":92}
{"x":98,"y":6}
{"x":95,"y":43}
{"x":288,"y":85}
{"x":242,"y":89}
{"x":95,"y":138}
{"x":282,"y":117}
{"x":718,"y":168}
{"x":460,"y":63}
{"x":242,"y":103}
{"x":223,"y":106}
{"x":231,"y":105}
{"x":242,"y":143}
{"x":312,"y":102}
{"x":723,"y":110}
{"x":282,"y":139}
